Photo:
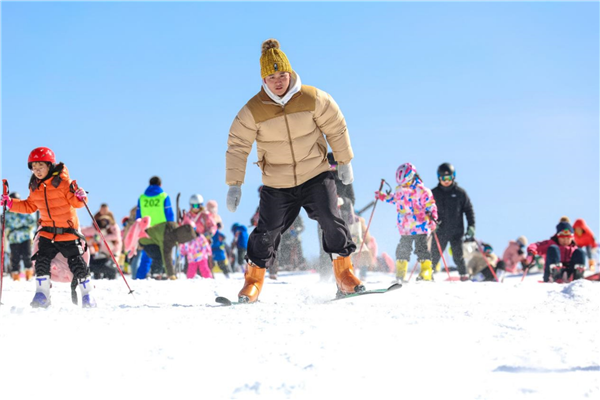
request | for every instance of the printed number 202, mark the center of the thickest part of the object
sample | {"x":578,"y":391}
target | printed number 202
{"x":151,"y":202}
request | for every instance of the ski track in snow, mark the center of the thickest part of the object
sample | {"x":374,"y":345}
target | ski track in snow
{"x":427,"y":340}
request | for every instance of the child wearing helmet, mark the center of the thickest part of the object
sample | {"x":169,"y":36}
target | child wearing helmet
{"x":564,"y":260}
{"x":51,"y":192}
{"x":204,"y":220}
{"x":416,"y":214}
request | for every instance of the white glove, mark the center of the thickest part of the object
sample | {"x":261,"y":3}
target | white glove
{"x":234,"y":196}
{"x":345,"y":173}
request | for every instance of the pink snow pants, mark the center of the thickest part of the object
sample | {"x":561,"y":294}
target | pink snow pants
{"x":200,"y":266}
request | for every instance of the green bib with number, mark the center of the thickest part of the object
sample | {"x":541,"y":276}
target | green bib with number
{"x":153,"y":207}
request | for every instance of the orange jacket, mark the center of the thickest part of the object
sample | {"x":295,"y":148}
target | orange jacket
{"x":587,"y":237}
{"x":55,"y":201}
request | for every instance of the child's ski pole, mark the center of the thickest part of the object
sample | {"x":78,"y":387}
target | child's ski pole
{"x":413,"y":270}
{"x":74,"y":188}
{"x":4,"y":192}
{"x":437,"y":241}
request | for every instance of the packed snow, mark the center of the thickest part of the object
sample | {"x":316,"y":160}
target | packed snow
{"x":169,"y":339}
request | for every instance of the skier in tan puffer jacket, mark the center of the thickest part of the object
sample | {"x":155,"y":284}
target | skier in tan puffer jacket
{"x":292,"y":124}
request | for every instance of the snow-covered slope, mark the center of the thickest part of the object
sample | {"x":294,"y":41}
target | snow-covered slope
{"x":444,"y":340}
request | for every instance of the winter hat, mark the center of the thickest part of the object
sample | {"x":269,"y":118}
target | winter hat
{"x":272,"y":59}
{"x":522,"y":240}
{"x":487,"y":248}
{"x":564,"y":228}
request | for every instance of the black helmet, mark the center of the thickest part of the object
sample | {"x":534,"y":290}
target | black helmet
{"x":446,"y":169}
{"x":14,"y":195}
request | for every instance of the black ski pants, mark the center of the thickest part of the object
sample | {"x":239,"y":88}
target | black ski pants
{"x":279,"y":208}
{"x":72,"y":250}
{"x":456,"y":243}
{"x":18,"y":252}
{"x":404,"y":248}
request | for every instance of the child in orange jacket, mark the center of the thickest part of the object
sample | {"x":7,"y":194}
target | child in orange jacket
{"x":51,"y":192}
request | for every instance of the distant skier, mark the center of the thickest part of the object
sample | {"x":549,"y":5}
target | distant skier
{"x":51,"y":193}
{"x":156,"y":204}
{"x":19,"y":232}
{"x":515,"y":254}
{"x":161,"y":241}
{"x":219,"y":251}
{"x":240,"y":244}
{"x":564,"y":260}
{"x":416,"y":214}
{"x":203,"y":220}
{"x":291,"y":124}
{"x":479,"y":269}
{"x":452,"y":202}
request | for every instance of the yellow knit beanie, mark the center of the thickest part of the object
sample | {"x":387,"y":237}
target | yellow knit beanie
{"x":273,"y":59}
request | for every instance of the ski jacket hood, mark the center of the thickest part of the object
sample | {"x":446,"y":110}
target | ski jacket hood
{"x":587,"y":238}
{"x":291,"y":139}
{"x":53,"y":197}
{"x":153,"y":190}
{"x":295,"y":86}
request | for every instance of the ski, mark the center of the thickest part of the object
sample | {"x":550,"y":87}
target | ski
{"x":395,"y":286}
{"x":224,"y":301}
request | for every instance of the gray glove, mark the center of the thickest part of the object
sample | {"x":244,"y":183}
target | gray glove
{"x":234,"y":196}
{"x":345,"y":173}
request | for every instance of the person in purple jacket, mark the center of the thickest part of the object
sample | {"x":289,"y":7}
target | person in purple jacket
{"x":564,"y":260}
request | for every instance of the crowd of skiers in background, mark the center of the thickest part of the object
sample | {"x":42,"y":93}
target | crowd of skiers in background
{"x":429,"y":219}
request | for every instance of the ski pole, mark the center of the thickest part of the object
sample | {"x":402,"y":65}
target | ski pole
{"x":4,"y":192}
{"x":413,"y":270}
{"x":74,"y":188}
{"x":437,"y":241}
{"x":486,"y":260}
{"x":371,"y":218}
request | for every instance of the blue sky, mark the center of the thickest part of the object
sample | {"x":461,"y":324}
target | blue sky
{"x":507,"y":92}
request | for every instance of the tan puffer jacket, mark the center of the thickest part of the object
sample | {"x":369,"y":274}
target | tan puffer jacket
{"x":289,"y":139}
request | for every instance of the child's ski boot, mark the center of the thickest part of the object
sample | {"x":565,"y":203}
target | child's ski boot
{"x":42,"y":292}
{"x":401,"y":270}
{"x":87,"y":300}
{"x":426,"y":273}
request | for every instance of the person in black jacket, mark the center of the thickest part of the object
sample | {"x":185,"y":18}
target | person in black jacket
{"x":452,"y":202}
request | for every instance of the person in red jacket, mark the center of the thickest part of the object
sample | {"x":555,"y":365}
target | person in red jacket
{"x":51,"y":192}
{"x":564,"y":260}
{"x":584,"y":237}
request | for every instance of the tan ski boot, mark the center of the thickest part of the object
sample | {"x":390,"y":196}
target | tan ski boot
{"x":255,"y":277}
{"x":346,"y":281}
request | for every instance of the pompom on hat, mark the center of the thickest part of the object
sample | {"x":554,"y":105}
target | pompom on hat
{"x":272,"y":59}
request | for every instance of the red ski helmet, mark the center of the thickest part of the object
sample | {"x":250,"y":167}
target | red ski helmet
{"x":41,"y":154}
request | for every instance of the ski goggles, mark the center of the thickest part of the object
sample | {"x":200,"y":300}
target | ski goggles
{"x":565,"y":233}
{"x":446,"y":178}
{"x":197,"y":205}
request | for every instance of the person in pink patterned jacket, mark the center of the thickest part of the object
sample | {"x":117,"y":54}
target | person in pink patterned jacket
{"x":197,"y":252}
{"x":416,"y":215}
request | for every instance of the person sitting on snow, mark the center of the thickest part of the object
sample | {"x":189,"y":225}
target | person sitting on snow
{"x":564,"y":260}
{"x":515,"y":254}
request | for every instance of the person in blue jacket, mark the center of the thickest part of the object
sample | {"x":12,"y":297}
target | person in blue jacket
{"x":240,"y":243}
{"x":218,"y":249}
{"x":156,"y":204}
